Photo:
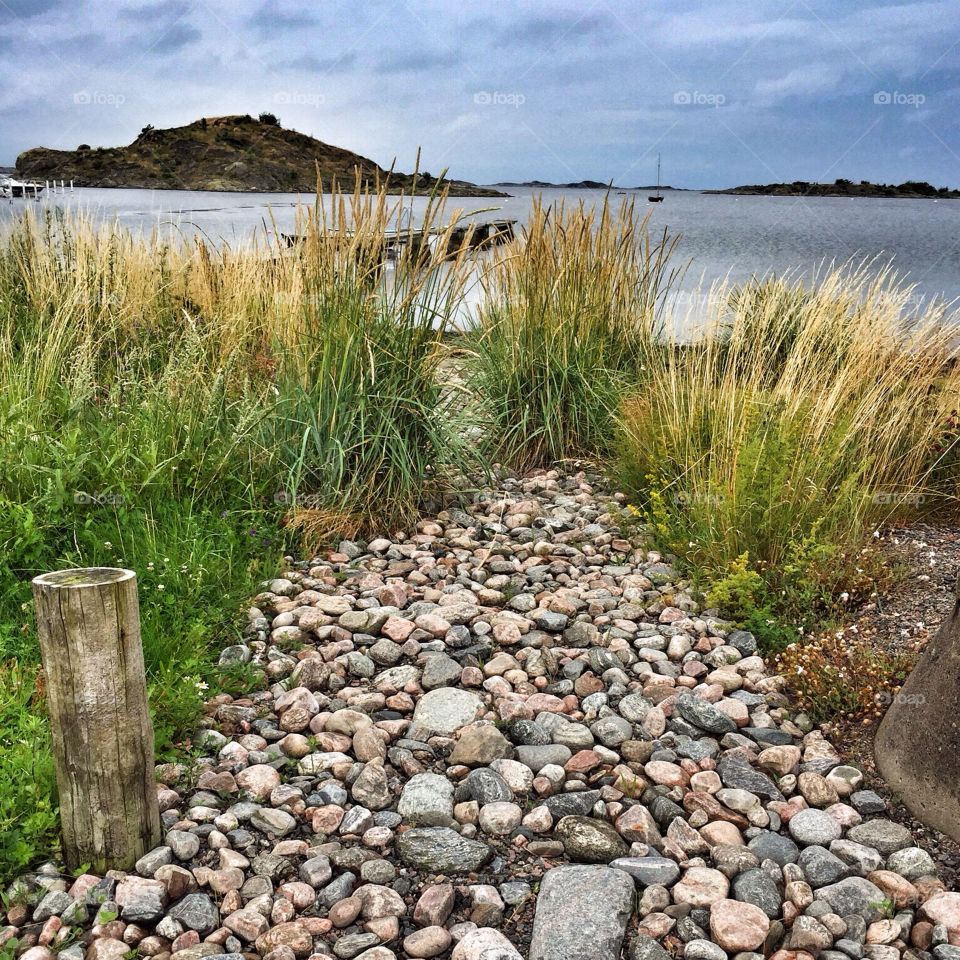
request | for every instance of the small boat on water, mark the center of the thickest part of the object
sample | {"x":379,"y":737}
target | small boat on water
{"x":11,"y":188}
{"x":658,"y":197}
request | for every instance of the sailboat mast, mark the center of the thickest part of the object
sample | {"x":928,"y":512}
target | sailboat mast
{"x":658,"y":197}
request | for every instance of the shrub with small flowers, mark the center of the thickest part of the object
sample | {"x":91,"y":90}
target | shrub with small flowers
{"x":811,"y":582}
{"x":843,"y":676}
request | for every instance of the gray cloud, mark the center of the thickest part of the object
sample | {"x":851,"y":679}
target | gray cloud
{"x":173,"y":39}
{"x":314,"y":64}
{"x":549,"y":89}
{"x":548,"y":32}
{"x":27,"y":9}
{"x":273,"y":16}
{"x":414,"y":61}
{"x":160,"y":10}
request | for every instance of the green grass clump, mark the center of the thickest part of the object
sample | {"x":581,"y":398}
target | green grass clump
{"x":570,"y":314}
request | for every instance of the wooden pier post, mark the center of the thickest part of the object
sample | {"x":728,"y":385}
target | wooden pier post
{"x":89,"y":626}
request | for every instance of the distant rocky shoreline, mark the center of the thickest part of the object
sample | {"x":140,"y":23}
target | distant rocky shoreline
{"x":581,"y":185}
{"x":911,"y":189}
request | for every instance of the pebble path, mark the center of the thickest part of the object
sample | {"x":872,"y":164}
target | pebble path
{"x":509,"y":733}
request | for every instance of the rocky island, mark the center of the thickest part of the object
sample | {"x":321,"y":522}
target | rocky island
{"x":578,"y":185}
{"x":910,"y":189}
{"x":236,"y":153}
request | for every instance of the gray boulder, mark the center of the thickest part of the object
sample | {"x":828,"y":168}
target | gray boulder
{"x":582,"y":912}
{"x":442,"y":850}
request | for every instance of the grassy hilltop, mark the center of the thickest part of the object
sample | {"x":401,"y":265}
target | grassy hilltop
{"x":221,"y":153}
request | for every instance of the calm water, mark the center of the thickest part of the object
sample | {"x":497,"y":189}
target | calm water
{"x":721,"y":236}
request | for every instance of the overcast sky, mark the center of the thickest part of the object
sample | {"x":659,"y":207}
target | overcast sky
{"x":728,"y":91}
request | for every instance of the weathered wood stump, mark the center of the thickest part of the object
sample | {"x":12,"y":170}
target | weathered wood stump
{"x":917,"y":747}
{"x":89,"y":626}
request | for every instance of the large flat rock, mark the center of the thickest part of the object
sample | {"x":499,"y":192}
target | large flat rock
{"x":582,"y":912}
{"x":442,"y":850}
{"x":447,"y":709}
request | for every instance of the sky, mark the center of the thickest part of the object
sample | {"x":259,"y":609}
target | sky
{"x":728,"y":92}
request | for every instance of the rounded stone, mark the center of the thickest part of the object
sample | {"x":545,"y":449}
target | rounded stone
{"x":486,"y":786}
{"x":428,"y":942}
{"x":485,"y":944}
{"x":884,"y":836}
{"x":447,"y":709}
{"x":258,"y":781}
{"x":442,"y":850}
{"x":701,"y":887}
{"x":812,"y":826}
{"x":703,"y":950}
{"x":738,"y":926}
{"x":427,"y":800}
{"x":647,"y":871}
{"x":499,"y":819}
{"x":586,"y":840}
{"x":912,"y":863}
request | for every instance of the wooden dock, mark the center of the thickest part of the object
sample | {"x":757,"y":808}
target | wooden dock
{"x":473,"y":236}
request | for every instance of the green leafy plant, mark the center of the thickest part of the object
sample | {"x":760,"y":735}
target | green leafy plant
{"x":9,"y":948}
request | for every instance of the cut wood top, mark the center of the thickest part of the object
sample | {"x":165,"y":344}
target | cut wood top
{"x":84,"y":577}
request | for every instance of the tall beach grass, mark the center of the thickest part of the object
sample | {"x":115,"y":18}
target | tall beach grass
{"x":570,"y":314}
{"x":767,"y":452}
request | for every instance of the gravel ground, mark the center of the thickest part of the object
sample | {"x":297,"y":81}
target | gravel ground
{"x":926,"y":557}
{"x":510,"y":732}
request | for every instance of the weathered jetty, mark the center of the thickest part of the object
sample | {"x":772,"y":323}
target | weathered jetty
{"x":473,"y":236}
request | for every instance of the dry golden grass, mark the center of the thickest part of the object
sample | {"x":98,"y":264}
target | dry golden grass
{"x":798,"y":405}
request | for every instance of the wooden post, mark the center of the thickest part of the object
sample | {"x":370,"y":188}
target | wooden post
{"x":89,"y":626}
